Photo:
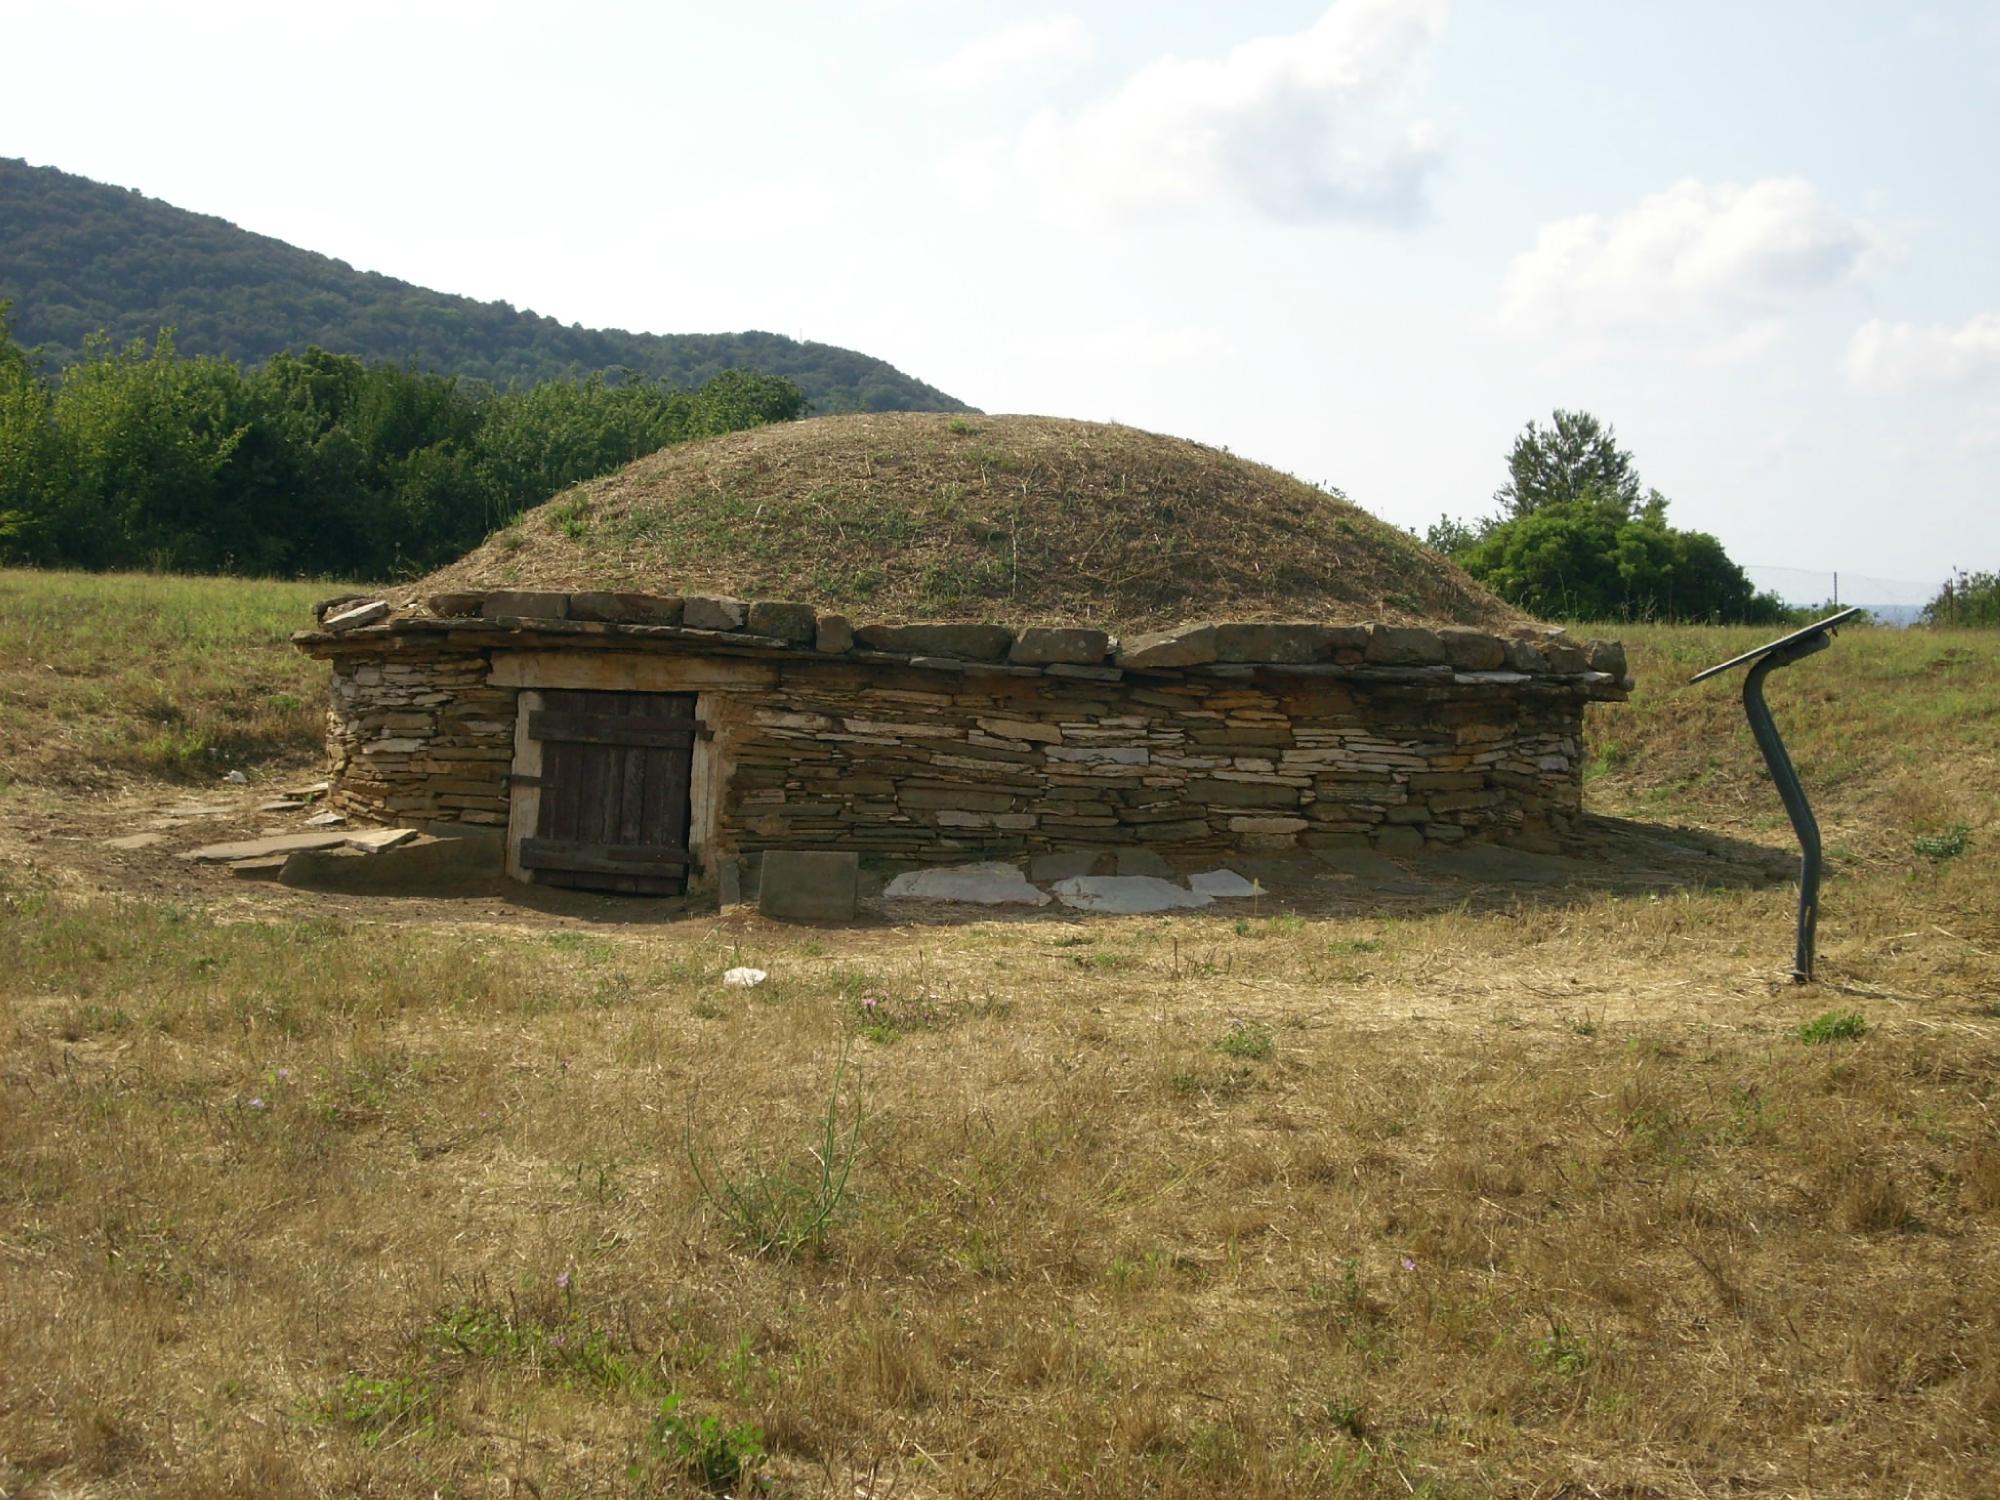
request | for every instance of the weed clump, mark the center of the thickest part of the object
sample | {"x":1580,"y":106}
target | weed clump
{"x":1833,"y":1026}
{"x":789,"y":1210}
{"x":716,"y":1457}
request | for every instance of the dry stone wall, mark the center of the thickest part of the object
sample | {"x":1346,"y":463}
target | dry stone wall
{"x":901,"y":765}
{"x":936,"y":742}
{"x":420,"y":737}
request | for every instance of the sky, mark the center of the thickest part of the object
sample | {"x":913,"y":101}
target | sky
{"x":1365,"y":242}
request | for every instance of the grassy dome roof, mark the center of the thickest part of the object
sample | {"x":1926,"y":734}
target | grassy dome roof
{"x":1016,"y":520}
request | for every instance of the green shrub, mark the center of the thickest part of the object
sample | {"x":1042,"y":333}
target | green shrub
{"x":1834,"y":1026}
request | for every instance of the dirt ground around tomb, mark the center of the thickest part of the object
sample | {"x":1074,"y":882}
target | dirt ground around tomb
{"x":1513,"y":1177}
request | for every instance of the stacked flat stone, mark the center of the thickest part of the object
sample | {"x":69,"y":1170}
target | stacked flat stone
{"x":933,"y":741}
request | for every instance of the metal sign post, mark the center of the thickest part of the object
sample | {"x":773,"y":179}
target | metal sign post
{"x":1765,"y":660}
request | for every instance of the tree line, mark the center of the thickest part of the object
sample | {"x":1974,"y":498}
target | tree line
{"x":1577,"y":537}
{"x":312,"y":464}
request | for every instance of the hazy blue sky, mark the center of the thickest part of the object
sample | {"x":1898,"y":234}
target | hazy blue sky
{"x":1363,"y":241}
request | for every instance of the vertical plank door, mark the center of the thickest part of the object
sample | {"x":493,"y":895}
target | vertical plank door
{"x":616,"y":770}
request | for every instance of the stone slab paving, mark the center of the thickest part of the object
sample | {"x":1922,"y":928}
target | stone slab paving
{"x":1061,"y":864}
{"x":993,"y":883}
{"x":1498,"y":865}
{"x":1223,"y":884}
{"x":136,"y":841}
{"x":1143,"y":862}
{"x":288,"y":843}
{"x":1126,"y":895}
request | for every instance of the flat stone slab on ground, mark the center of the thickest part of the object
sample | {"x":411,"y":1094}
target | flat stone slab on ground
{"x":1376,"y":871}
{"x":268,"y":868}
{"x":284,"y":843}
{"x":288,"y":843}
{"x":327,"y":819}
{"x":990,"y":884}
{"x":135,"y":841}
{"x":1061,"y":864}
{"x":1225,"y":884}
{"x":796,"y":885}
{"x":373,"y":840}
{"x":1143,"y":862}
{"x":1500,"y":865}
{"x":281,"y":804}
{"x":1126,"y":895}
{"x":416,"y":867}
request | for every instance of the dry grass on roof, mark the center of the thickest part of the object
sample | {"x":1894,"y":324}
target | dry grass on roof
{"x":1020,"y":520}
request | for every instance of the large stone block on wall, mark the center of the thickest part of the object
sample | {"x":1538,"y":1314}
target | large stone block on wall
{"x":1607,"y":656}
{"x":1193,"y":646}
{"x":1404,"y":646}
{"x":702,"y":612}
{"x":799,"y":885}
{"x":1041,"y":646}
{"x":966,"y":642}
{"x":627,"y":609}
{"x":1471,"y":650}
{"x":796,"y":623}
{"x":518,"y":604}
{"x":833,"y":634}
{"x":1283,"y":644}
{"x":1566,"y":656}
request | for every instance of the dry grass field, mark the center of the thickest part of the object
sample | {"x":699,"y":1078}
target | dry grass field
{"x":1556,"y":1194}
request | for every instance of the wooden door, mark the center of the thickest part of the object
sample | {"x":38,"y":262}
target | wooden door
{"x":616,"y":768}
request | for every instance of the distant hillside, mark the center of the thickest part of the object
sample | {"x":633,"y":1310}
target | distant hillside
{"x":77,"y":256}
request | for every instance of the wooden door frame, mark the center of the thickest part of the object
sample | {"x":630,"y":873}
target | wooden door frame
{"x":711,"y":680}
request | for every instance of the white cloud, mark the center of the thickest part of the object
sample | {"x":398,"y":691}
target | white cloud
{"x":1058,"y":42}
{"x":1712,"y":267}
{"x":1892,"y":356}
{"x":1305,"y":128}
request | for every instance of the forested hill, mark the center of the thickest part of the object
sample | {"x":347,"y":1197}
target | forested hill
{"x":77,"y":256}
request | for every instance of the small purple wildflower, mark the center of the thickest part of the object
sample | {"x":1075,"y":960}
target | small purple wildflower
{"x":284,"y":1075}
{"x":1409,"y":1263}
{"x":562,"y":1282}
{"x":256,"y":1103}
{"x":868,"y":1002}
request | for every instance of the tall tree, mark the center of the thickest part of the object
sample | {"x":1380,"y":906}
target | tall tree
{"x":1571,"y":459}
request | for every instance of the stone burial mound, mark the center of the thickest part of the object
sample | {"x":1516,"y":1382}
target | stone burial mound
{"x":941,"y":641}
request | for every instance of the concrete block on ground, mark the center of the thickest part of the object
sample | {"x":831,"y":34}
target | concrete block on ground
{"x":808,"y":885}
